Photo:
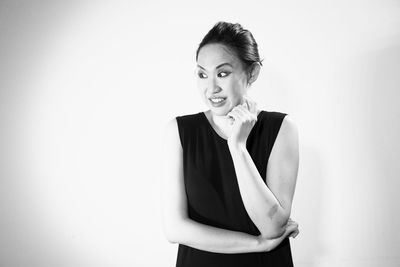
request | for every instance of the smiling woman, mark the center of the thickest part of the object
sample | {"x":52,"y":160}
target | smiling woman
{"x":229,"y":172}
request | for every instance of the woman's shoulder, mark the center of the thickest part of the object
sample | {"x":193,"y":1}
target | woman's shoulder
{"x":188,"y":116}
{"x":282,"y":122}
{"x":275,"y":113}
{"x":274,"y":116}
{"x":279,"y":119}
{"x":188,"y":122}
{"x":188,"y":119}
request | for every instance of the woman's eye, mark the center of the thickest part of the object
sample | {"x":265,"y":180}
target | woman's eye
{"x":201,"y":75}
{"x":224,"y":74}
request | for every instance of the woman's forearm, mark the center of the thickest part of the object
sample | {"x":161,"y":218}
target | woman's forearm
{"x":213,"y":239}
{"x":260,"y":203}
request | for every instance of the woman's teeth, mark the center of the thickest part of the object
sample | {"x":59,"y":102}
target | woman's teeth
{"x":216,"y":100}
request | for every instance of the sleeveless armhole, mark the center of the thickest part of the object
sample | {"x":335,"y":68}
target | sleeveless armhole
{"x":275,"y":126}
{"x":180,"y":131}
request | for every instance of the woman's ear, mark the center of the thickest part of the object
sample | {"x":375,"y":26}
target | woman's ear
{"x":253,"y":73}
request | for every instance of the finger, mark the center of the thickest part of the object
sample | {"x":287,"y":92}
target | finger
{"x":243,"y":100}
{"x":290,"y":223}
{"x":238,"y":115}
{"x":247,"y":114}
{"x":242,"y":112}
{"x":294,"y":234}
{"x":291,"y":228}
{"x":233,"y":116}
{"x":244,"y":103}
{"x":230,"y":117}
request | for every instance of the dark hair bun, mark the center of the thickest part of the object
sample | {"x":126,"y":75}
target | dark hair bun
{"x":235,"y":37}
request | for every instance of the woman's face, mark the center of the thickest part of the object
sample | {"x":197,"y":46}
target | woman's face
{"x":220,"y":74}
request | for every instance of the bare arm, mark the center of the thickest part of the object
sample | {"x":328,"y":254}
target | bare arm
{"x":209,"y":238}
{"x":213,"y":239}
{"x":269,"y":205}
{"x":177,"y":226}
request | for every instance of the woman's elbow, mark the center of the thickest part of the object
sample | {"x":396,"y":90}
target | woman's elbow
{"x":172,"y":240}
{"x":275,"y":229}
{"x":171,"y":232}
{"x":168,"y":234}
{"x":273,"y":232}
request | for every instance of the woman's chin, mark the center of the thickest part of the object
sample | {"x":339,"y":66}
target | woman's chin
{"x":222,"y":111}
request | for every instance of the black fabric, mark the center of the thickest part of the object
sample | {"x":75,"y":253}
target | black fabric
{"x":212,"y":190}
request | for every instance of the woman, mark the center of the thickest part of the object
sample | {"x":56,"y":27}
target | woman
{"x":222,"y":203}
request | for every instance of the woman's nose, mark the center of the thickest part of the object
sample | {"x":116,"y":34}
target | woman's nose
{"x":213,"y":85}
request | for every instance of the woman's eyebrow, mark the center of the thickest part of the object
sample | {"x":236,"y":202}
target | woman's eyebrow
{"x":220,"y":65}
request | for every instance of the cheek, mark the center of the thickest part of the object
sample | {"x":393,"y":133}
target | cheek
{"x":233,"y":86}
{"x":234,"y":80}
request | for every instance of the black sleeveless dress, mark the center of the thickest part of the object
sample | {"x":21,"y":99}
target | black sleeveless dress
{"x":212,"y":190}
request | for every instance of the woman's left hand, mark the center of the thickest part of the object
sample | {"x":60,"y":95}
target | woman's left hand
{"x":245,"y":116}
{"x":266,"y":244}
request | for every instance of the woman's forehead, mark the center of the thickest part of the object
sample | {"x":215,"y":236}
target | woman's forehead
{"x":212,"y":55}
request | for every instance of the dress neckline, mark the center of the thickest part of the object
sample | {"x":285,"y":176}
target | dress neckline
{"x":217,"y":134}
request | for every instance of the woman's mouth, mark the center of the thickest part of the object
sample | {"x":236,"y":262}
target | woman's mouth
{"x":217,"y":101}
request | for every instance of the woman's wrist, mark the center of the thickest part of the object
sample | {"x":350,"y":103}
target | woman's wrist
{"x":263,"y":244}
{"x":260,"y":244}
{"x":235,"y":145}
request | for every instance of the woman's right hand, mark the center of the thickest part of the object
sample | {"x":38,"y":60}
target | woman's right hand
{"x":291,"y":229}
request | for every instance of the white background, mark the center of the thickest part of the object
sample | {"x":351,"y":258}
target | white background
{"x":86,"y":87}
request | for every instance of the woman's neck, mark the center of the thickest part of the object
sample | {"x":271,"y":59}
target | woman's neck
{"x":222,"y":121}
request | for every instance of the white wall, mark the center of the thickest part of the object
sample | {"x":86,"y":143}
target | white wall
{"x":86,"y":87}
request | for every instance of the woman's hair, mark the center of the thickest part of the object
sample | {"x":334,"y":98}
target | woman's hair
{"x":240,"y":40}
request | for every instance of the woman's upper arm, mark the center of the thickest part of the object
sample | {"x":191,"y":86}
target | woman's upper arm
{"x":173,"y":194}
{"x":283,"y":165}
